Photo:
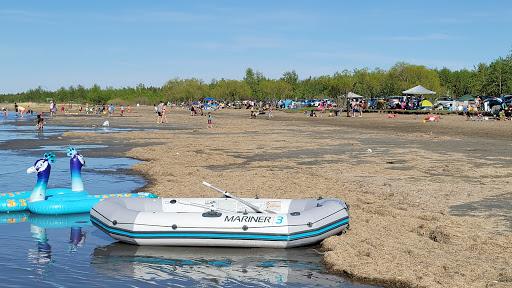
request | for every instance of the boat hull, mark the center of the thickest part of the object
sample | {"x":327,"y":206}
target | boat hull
{"x":203,"y":228}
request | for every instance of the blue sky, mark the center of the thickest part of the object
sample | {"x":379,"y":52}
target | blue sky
{"x":122,"y":43}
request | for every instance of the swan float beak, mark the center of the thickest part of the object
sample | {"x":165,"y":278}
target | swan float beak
{"x":31,"y":170}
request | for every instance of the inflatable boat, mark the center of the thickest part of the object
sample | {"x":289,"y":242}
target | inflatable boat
{"x":229,"y":221}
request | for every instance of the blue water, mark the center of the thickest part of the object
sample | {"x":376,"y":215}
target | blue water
{"x":95,"y":174}
{"x":13,"y":117}
{"x":25,"y":128}
{"x":66,"y":251}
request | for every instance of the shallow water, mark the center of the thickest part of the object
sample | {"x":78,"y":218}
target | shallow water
{"x":13,"y":117}
{"x":25,"y":129}
{"x":98,"y":174}
{"x":66,"y":251}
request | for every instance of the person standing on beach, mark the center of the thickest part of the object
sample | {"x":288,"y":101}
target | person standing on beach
{"x":164,"y":113}
{"x":110,"y":110}
{"x":122,"y":110}
{"x":159,"y":112}
{"x":270,"y":112}
{"x":210,"y":120}
{"x":15,"y":107}
{"x":40,"y":121}
{"x":52,"y":108}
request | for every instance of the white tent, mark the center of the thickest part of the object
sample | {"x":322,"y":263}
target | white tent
{"x":351,"y":95}
{"x":418,"y":90}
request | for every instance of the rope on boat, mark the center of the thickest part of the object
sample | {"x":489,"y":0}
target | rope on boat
{"x":205,"y":206}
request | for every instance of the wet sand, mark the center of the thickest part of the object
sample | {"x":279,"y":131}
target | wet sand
{"x":428,"y":200}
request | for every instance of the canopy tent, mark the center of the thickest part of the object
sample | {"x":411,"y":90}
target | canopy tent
{"x":418,"y":90}
{"x":209,"y":99}
{"x":426,"y":103}
{"x":351,"y":95}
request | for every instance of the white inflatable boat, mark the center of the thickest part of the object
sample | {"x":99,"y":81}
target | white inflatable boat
{"x":230,"y":221}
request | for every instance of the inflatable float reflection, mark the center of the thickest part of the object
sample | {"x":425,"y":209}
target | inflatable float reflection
{"x":223,"y":266}
{"x":38,"y":228}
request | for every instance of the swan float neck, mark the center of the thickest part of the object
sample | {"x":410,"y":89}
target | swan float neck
{"x":76,"y":162}
{"x":43,"y":169}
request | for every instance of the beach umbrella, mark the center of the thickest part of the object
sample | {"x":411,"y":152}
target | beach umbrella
{"x":426,"y":103}
{"x":352,"y":95}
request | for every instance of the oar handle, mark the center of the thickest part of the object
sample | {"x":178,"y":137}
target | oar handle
{"x":213,"y":187}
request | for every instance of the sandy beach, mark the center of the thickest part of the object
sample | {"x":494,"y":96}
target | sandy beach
{"x":430,"y":203}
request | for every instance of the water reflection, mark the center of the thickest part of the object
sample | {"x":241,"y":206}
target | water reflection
{"x":39,"y":224}
{"x":226,"y":267}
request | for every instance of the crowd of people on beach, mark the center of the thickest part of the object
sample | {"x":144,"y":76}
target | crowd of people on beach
{"x":475,"y":110}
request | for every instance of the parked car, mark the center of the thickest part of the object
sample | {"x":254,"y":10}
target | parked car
{"x":444,"y":103}
{"x":394,"y":102}
{"x":507,"y":99}
{"x":493,"y":105}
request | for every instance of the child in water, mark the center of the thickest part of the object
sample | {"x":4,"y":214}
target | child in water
{"x":210,"y":120}
{"x":40,"y":121}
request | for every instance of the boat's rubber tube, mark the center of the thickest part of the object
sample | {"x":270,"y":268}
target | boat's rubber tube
{"x":140,"y":222}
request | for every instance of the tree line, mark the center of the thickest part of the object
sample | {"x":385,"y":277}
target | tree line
{"x":494,"y":79}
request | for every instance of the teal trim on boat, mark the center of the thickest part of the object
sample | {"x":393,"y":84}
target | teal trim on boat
{"x":236,"y":236}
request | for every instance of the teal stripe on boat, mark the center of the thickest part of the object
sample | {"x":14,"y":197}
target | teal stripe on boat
{"x":224,"y":236}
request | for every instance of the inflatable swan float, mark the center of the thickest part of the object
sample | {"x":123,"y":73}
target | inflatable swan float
{"x":17,"y":201}
{"x":67,"y":203}
{"x":58,"y":200}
